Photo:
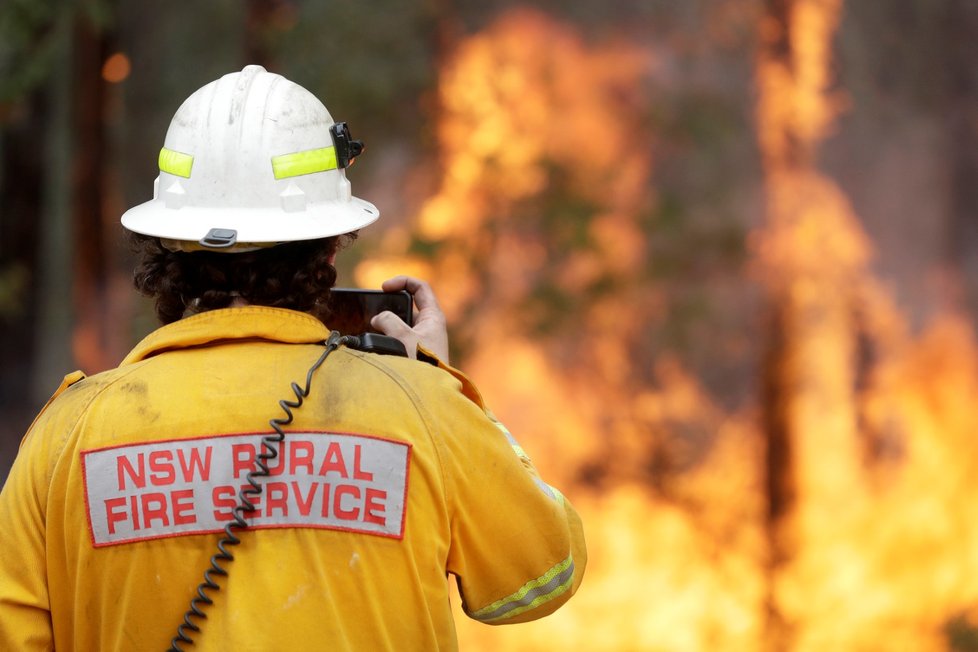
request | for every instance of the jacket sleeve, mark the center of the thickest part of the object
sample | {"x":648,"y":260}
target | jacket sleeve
{"x":517,"y":545}
{"x":25,"y":618}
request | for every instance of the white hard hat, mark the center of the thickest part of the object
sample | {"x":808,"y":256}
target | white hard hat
{"x":252,"y":159}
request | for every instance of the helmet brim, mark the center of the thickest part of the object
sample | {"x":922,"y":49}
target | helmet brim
{"x":252,"y":224}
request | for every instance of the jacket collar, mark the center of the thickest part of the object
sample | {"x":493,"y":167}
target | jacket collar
{"x":249,"y":322}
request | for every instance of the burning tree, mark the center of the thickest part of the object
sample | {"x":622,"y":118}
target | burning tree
{"x":832,"y":511}
{"x":849,"y":447}
{"x":539,"y":234}
{"x":832,"y":504}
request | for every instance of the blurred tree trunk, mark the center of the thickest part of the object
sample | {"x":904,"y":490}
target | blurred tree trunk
{"x":261,"y":18}
{"x":814,"y":254}
{"x":961,"y":66}
{"x":774,"y":390}
{"x":447,"y":29}
{"x":98,"y":341}
{"x":53,"y":324}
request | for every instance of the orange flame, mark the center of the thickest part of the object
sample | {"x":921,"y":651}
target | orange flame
{"x":875,"y":540}
{"x":530,"y":111}
{"x":871,"y":544}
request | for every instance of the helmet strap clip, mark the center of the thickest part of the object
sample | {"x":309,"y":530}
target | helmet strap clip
{"x":347,"y":149}
{"x":219,"y":239}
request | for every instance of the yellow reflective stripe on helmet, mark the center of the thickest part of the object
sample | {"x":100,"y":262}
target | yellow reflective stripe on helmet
{"x":531,"y":595}
{"x":176,"y":163}
{"x":307,"y":162}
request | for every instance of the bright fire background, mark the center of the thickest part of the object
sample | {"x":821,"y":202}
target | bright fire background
{"x":770,"y":439}
{"x":836,"y":507}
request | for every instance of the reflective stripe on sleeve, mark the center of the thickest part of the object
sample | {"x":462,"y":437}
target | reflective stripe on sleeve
{"x":510,"y":438}
{"x":512,"y":441}
{"x":551,"y":492}
{"x":531,"y":595}
{"x":176,"y":163}
{"x":307,"y":162}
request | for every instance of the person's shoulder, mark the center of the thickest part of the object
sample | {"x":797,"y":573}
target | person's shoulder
{"x":430,"y":380}
{"x":77,"y":392}
{"x":399,"y":367}
{"x":93,"y":384}
{"x":66,"y":407}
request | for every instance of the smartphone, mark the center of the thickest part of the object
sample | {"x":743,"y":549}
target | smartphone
{"x":351,"y":309}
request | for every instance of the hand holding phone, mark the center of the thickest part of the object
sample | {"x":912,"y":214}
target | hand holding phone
{"x":429,"y":327}
{"x":350,"y":310}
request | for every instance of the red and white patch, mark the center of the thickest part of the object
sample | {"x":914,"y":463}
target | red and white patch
{"x":190,"y":486}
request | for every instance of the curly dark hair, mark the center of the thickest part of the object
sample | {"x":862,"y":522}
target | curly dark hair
{"x":295,"y":275}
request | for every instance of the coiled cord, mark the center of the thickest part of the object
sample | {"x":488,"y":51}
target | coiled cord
{"x":269,"y":451}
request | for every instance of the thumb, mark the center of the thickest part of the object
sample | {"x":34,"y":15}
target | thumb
{"x":390,"y":324}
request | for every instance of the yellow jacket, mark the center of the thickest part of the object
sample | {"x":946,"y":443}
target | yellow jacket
{"x":392,"y":475}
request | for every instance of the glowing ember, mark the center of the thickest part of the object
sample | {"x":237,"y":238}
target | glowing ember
{"x":116,"y":68}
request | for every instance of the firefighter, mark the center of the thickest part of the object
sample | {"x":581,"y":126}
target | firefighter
{"x":339,"y":533}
